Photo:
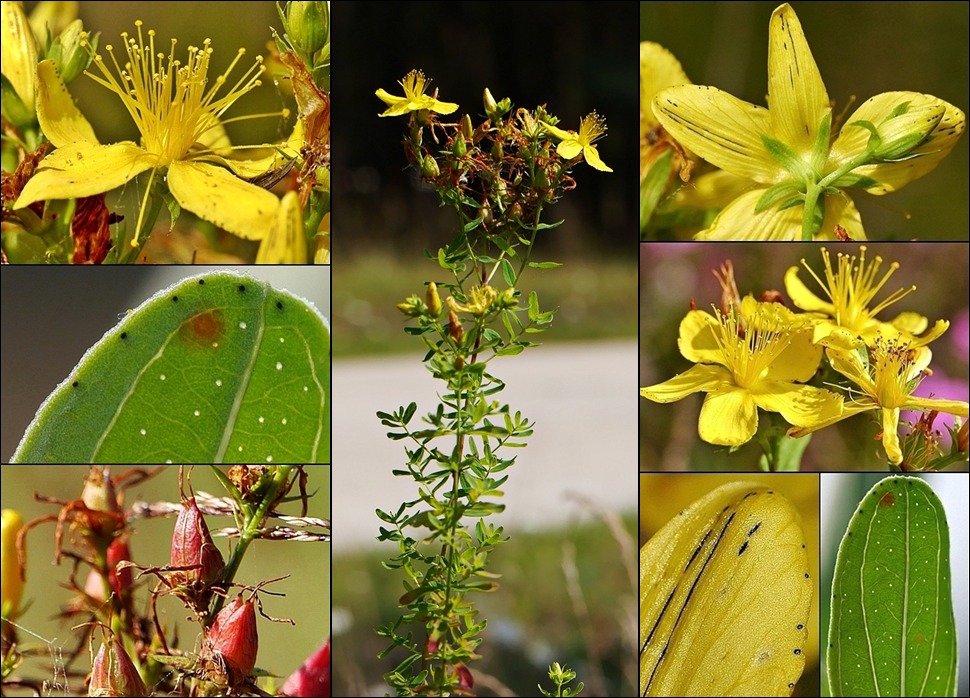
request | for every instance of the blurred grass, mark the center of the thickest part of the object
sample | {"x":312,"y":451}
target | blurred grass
{"x":283,"y":647}
{"x":674,"y":274}
{"x":531,"y":620}
{"x":594,"y":297}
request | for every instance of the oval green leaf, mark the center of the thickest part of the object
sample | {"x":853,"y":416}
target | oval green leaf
{"x":892,"y":629}
{"x":725,"y":595}
{"x":217,"y":368}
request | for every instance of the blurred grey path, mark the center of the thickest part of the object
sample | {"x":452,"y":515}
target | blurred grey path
{"x":581,"y":396}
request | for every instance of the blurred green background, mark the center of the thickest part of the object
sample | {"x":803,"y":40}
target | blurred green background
{"x":673,"y":274}
{"x":841,"y":494}
{"x":862,"y":49}
{"x":283,"y":647}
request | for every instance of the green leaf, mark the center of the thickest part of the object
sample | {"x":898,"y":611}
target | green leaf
{"x":892,"y":630}
{"x":217,"y":368}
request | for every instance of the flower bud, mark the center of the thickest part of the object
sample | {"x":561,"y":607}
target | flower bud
{"x":69,"y":53}
{"x":466,"y":127}
{"x":433,"y":299}
{"x":19,"y":62}
{"x":903,"y":133}
{"x":429,"y":168}
{"x":233,"y":637}
{"x":11,"y":584}
{"x":120,"y":581}
{"x":489,"y":102}
{"x":507,"y":299}
{"x":192,"y":546}
{"x":455,"y":330}
{"x":962,"y":440}
{"x":311,"y":680}
{"x":412,"y":306}
{"x":307,"y":25}
{"x":458,"y":148}
{"x":114,"y":674}
{"x":98,"y":493}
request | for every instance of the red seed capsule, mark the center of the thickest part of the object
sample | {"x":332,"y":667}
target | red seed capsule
{"x":311,"y":680}
{"x":192,"y":546}
{"x":233,"y":637}
{"x":114,"y":674}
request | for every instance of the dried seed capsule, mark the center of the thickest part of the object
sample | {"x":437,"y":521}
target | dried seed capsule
{"x":192,"y":546}
{"x":233,"y":637}
{"x":311,"y":680}
{"x":114,"y":674}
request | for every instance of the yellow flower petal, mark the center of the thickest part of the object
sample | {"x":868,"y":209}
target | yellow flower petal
{"x":698,"y":339}
{"x":926,"y":404}
{"x":797,"y":99}
{"x":697,"y":378}
{"x":19,"y":52}
{"x":720,"y":128}
{"x":286,"y":242}
{"x":738,"y":221}
{"x":890,"y":435}
{"x":12,"y":585}
{"x":840,"y":211}
{"x":84,"y":169}
{"x":217,"y":196}
{"x":891,"y":176}
{"x":802,"y":297}
{"x":728,"y":418}
{"x":569,"y":149}
{"x":592,"y":157}
{"x":658,"y":69}
{"x":911,"y":323}
{"x":800,"y":405}
{"x":60,"y":119}
{"x":798,"y":361}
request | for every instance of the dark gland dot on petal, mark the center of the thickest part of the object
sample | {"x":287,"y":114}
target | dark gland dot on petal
{"x":798,"y":651}
{"x":800,"y":626}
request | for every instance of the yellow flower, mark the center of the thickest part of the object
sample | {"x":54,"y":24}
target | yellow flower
{"x":754,"y":356}
{"x":849,"y":311}
{"x":285,"y":242}
{"x":179,"y":122}
{"x":414,"y":99}
{"x":480,"y":299}
{"x":787,"y":149}
{"x":591,"y":128}
{"x":12,"y":584}
{"x":19,"y":53}
{"x":658,"y":69}
{"x":886,"y":373}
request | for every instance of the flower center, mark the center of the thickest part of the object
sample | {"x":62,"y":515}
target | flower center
{"x":891,"y":367}
{"x":854,"y":285}
{"x":413,"y":84}
{"x":750,"y":345}
{"x":167,"y":100}
{"x":591,"y":127}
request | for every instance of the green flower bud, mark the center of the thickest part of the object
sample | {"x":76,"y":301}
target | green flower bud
{"x":458,"y":147}
{"x":307,"y":25}
{"x":903,"y":133}
{"x":433,"y":299}
{"x":509,"y":298}
{"x":489,"y":102}
{"x":467,"y":130}
{"x":412,"y":306}
{"x":69,"y":52}
{"x":429,"y":168}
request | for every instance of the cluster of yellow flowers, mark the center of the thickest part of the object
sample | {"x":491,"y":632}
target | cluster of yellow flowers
{"x":783,"y":173}
{"x":761,"y":355}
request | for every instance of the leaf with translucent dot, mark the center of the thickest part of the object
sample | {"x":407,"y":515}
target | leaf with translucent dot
{"x":892,"y":630}
{"x":217,"y":368}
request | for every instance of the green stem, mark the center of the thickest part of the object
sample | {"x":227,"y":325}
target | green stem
{"x":249,"y":530}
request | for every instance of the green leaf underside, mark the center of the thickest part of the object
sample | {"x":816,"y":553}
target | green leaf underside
{"x":725,"y":597}
{"x":892,"y":630}
{"x":217,"y":368}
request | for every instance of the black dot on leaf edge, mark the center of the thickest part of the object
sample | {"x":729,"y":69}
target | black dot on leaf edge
{"x":201,"y":282}
{"x":242,"y":288}
{"x":74,"y":384}
{"x":175,"y":299}
{"x":124,"y":335}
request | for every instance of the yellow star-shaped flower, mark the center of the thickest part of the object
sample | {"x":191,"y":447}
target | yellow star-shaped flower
{"x":414,"y":99}
{"x":591,"y":128}
{"x":799,"y":172}
{"x":755,"y":356}
{"x":179,"y":122}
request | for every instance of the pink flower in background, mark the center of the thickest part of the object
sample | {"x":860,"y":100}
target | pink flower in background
{"x":313,"y":678}
{"x":960,"y":334}
{"x":942,"y":387}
